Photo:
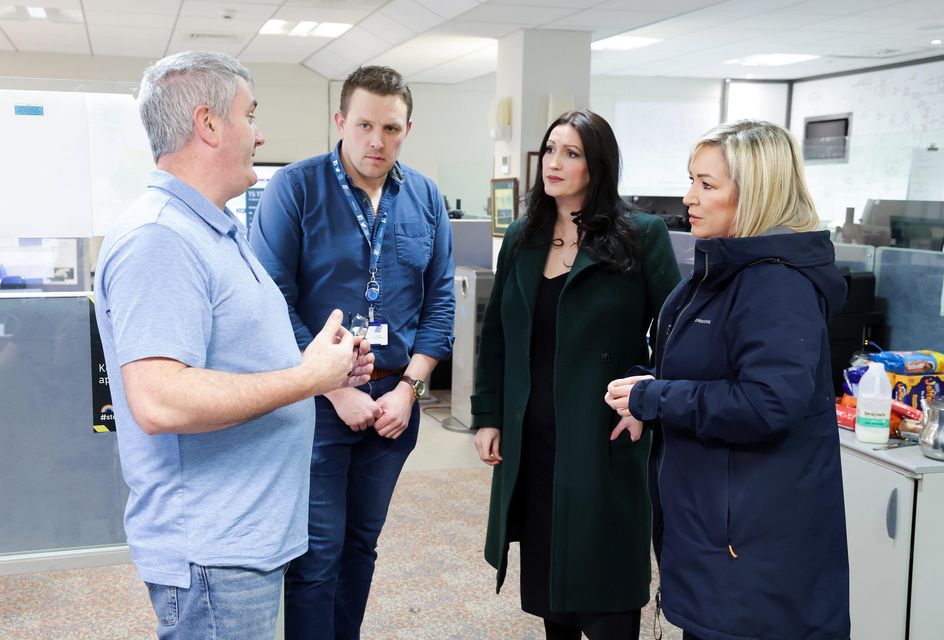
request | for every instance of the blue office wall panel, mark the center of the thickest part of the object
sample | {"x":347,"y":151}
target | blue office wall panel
{"x":60,"y":482}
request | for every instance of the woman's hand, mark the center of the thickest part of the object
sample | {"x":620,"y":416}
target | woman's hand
{"x":487,"y":441}
{"x":629,"y":424}
{"x":617,"y":393}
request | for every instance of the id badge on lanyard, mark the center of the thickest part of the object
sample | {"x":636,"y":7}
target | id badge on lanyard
{"x":377,"y":332}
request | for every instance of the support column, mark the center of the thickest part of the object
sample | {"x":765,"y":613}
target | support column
{"x":538,"y":69}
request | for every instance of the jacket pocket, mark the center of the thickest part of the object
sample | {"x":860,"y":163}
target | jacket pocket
{"x":414,"y":244}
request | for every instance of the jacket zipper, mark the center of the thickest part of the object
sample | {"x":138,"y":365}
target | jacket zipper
{"x":659,"y":364}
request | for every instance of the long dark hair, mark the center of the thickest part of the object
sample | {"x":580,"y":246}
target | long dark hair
{"x":604,"y":222}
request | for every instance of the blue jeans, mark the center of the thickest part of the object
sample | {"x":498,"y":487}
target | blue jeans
{"x":222,"y":603}
{"x":353,"y":474}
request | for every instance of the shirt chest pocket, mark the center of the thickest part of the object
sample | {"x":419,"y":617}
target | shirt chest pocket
{"x":414,"y":244}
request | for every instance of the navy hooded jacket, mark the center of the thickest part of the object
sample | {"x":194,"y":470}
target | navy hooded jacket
{"x":749,"y":475}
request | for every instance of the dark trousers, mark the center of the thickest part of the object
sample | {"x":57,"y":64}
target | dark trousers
{"x":688,"y":636}
{"x":353,"y":474}
{"x":597,"y":626}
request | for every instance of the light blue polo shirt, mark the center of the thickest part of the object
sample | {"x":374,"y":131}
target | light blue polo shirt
{"x":177,"y":279}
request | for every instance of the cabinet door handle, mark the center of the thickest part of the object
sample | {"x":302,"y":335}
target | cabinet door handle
{"x":891,"y":514}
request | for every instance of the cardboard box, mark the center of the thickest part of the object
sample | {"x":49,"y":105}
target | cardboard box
{"x":910,"y":389}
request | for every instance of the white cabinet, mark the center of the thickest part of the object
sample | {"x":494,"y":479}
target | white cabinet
{"x":879,"y":509}
{"x":895,"y":526}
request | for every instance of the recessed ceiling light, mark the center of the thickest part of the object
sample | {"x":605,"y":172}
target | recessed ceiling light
{"x":622,"y":43}
{"x":303,"y":28}
{"x":330,"y":29}
{"x":749,"y":76}
{"x":771,"y":59}
{"x":38,"y":13}
{"x":936,"y":42}
{"x":273,"y":27}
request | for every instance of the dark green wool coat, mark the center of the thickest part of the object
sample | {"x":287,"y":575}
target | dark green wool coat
{"x":601,"y":511}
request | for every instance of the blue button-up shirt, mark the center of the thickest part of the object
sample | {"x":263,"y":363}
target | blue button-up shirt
{"x":307,"y":237}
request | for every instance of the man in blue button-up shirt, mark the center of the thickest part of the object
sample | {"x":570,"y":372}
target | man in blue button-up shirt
{"x":212,"y":399}
{"x":357,"y":230}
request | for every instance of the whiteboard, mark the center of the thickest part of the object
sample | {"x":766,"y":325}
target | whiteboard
{"x":655,"y":139}
{"x":71,"y":162}
{"x":45,"y":164}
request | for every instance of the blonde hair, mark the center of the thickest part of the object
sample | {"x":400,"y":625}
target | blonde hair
{"x":767,"y":169}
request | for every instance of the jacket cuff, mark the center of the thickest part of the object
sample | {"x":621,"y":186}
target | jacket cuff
{"x":484,"y":413}
{"x":644,"y":399}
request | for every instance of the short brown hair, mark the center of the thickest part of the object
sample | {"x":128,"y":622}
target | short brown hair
{"x":381,"y":81}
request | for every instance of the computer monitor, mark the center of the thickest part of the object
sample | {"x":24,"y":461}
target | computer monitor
{"x":244,"y":205}
{"x":670,"y":208}
{"x":912,"y":224}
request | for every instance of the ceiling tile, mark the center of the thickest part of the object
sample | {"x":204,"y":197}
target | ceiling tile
{"x":216,"y":10}
{"x":461,"y":69}
{"x":478,"y":29}
{"x":281,"y":49}
{"x":116,"y":19}
{"x":189,"y":24}
{"x":5,"y":44}
{"x":603,"y":19}
{"x":541,"y":5}
{"x":143,"y":7}
{"x":447,"y":9}
{"x":128,"y":41}
{"x":504,"y":14}
{"x":359,"y":44}
{"x":386,"y":28}
{"x":46,"y":37}
{"x":318,"y":14}
{"x":364,"y":5}
{"x":671,"y":6}
{"x":329,"y":64}
{"x":413,"y":14}
{"x":47,"y":4}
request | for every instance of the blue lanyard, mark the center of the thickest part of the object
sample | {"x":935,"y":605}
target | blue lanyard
{"x":374,"y":241}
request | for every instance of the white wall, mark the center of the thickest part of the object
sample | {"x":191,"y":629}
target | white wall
{"x":449,"y":140}
{"x":895,"y":113}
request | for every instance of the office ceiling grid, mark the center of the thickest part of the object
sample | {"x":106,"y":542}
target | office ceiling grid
{"x":454,"y":40}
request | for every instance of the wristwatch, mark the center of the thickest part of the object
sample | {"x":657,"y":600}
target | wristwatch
{"x":419,"y":386}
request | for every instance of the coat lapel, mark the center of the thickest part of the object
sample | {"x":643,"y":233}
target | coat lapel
{"x":530,"y":267}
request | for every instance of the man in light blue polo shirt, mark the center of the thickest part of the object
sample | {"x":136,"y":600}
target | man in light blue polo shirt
{"x":213,"y":400}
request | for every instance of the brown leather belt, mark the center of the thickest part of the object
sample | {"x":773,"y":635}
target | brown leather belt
{"x":379,"y":373}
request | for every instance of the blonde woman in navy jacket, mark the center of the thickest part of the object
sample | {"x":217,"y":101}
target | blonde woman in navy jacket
{"x":748,"y":475}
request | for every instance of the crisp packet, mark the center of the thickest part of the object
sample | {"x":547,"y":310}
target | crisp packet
{"x":910,"y":362}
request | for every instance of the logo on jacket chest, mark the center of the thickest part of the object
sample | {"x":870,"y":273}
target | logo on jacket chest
{"x":702,"y":321}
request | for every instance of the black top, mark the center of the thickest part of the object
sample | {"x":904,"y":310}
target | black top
{"x":543,"y":341}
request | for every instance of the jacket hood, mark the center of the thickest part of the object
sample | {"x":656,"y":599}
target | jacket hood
{"x":810,"y":253}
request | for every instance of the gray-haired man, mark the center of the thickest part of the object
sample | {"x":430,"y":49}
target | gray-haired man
{"x":214,"y":401}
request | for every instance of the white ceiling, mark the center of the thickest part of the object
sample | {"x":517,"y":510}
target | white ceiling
{"x":454,"y":40}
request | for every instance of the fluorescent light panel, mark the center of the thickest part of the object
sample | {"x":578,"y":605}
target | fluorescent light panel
{"x":622,"y":42}
{"x":273,"y":28}
{"x":771,"y":59}
{"x":304,"y":28}
{"x":38,"y":13}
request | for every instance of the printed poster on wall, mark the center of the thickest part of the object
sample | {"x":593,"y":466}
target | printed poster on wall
{"x":103,"y":414}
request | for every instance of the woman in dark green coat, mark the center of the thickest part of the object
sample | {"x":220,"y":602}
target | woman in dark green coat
{"x":579,"y":280}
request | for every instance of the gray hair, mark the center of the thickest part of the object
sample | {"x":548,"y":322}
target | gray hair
{"x":174,"y":86}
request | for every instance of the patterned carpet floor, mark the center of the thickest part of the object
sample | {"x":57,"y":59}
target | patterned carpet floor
{"x":431,"y":581}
